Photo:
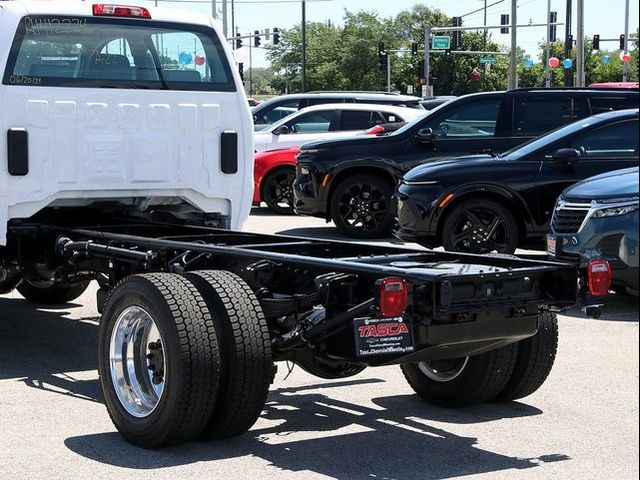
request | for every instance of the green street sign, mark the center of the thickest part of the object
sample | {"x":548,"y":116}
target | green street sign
{"x":488,"y":60}
{"x":442,"y":42}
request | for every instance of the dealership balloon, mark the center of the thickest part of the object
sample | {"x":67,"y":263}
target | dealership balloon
{"x":554,"y":62}
{"x":185,"y":58}
{"x":199,"y":60}
{"x":605,"y":59}
{"x":567,"y":63}
{"x":625,"y":57}
{"x":528,"y":62}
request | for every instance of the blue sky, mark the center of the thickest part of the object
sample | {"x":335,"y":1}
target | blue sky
{"x":605,"y":18}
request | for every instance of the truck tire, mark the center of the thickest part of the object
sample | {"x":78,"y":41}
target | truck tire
{"x":535,"y":359}
{"x":463,"y":381}
{"x":247,"y":368}
{"x":361,"y":207}
{"x":51,"y":293}
{"x":167,"y":387}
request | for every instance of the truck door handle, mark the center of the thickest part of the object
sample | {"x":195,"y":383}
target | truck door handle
{"x":17,"y":152}
{"x":229,"y":152}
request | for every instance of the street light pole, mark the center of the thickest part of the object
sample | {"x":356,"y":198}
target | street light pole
{"x":625,"y":71}
{"x":304,"y":46}
{"x":547,"y":69}
{"x":224,"y":19}
{"x":214,"y":9}
{"x":513,"y":83}
{"x":580,"y":45}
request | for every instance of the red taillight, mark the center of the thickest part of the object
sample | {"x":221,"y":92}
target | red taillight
{"x":394,"y":295}
{"x":598,"y":277}
{"x":109,"y":10}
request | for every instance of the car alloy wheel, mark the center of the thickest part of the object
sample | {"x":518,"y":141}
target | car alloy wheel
{"x":278,"y":191}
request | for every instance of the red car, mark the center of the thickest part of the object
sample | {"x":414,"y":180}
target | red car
{"x":275,"y":170}
{"x":273,"y":175}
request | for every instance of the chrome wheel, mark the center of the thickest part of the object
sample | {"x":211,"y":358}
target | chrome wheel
{"x":137,"y":361}
{"x":444,"y":370}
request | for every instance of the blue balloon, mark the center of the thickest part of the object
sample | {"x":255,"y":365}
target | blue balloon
{"x":605,"y":59}
{"x":185,"y":58}
{"x":567,"y":63}
{"x":528,"y":63}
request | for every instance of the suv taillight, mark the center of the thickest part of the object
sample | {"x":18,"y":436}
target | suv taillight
{"x":598,"y":277}
{"x":394,"y":296}
{"x":110,"y":10}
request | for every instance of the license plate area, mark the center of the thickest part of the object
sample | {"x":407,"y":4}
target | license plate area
{"x":382,"y":336}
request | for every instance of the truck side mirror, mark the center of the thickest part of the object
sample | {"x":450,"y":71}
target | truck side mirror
{"x":566,"y":157}
{"x":281,"y":130}
{"x":425,"y":136}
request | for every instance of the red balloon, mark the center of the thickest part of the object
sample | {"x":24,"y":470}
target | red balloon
{"x":554,"y":62}
{"x":625,"y":57}
{"x":199,"y":60}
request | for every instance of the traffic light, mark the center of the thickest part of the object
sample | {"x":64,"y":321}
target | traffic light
{"x":238,"y":41}
{"x":382,"y":57}
{"x":504,"y":20}
{"x":241,"y":70}
{"x":276,"y":36}
{"x":414,"y":49}
{"x":622,"y":39}
{"x":596,"y":42}
{"x":457,"y":35}
{"x":256,"y":39}
{"x":553,"y":18}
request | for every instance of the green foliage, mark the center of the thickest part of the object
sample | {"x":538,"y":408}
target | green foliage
{"x":346,"y":58}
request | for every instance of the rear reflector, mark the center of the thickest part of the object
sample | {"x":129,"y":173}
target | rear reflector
{"x":394,"y":295}
{"x":599,"y":277}
{"x":109,"y":10}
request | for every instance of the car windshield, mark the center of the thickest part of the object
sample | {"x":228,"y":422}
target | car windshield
{"x":547,"y":139}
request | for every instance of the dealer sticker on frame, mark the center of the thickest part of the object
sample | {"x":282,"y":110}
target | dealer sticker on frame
{"x":382,"y":336}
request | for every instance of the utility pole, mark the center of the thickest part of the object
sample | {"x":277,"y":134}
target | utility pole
{"x":625,"y":71}
{"x":304,"y":46}
{"x":513,"y":81}
{"x":389,"y":72}
{"x":214,"y":9}
{"x":580,"y":45}
{"x":427,"y":67}
{"x":233,"y":21}
{"x":485,"y":25}
{"x":547,"y":69}
{"x":568,"y":45}
{"x":224,"y":19}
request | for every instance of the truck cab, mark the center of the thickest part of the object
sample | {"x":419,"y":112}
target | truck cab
{"x":124,"y":108}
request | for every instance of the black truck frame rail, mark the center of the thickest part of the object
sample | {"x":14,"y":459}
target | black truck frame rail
{"x":313,"y":292}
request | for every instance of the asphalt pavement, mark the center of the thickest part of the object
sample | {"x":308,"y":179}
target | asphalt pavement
{"x":582,"y":424}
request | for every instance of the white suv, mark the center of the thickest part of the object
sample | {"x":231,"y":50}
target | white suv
{"x":329,"y":121}
{"x":130,"y":108}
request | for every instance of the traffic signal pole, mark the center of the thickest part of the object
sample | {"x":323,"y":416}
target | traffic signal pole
{"x":513,"y":74}
{"x":625,"y":71}
{"x":427,"y":57}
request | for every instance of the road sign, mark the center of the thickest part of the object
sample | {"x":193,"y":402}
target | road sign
{"x":442,"y":42}
{"x":488,"y":60}
{"x":409,"y":89}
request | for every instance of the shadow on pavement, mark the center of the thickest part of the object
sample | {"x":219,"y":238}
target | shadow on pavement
{"x":395,"y":440}
{"x":306,"y":428}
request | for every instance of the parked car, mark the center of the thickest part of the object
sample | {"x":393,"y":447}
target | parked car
{"x":274,"y":172}
{"x":329,"y":121}
{"x":271,"y":111}
{"x":598,"y":218}
{"x":486,"y":203}
{"x":331,"y":183}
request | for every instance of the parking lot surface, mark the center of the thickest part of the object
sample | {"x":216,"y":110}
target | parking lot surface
{"x":583,"y":423}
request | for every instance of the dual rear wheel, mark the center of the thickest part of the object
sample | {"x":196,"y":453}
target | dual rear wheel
{"x":183,"y":357}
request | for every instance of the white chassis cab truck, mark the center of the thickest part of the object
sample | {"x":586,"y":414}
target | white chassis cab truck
{"x":126,"y":159}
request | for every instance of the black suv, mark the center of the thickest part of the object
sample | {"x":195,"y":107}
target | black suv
{"x":485,"y":203}
{"x":277,"y":108}
{"x":352,"y":181}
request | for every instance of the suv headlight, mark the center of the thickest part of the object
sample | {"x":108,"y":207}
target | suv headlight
{"x":615,"y":211}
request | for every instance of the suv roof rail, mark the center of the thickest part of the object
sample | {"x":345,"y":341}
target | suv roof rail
{"x":560,"y":89}
{"x":353,"y":91}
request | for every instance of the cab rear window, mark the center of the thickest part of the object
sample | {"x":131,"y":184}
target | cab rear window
{"x":116,"y":53}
